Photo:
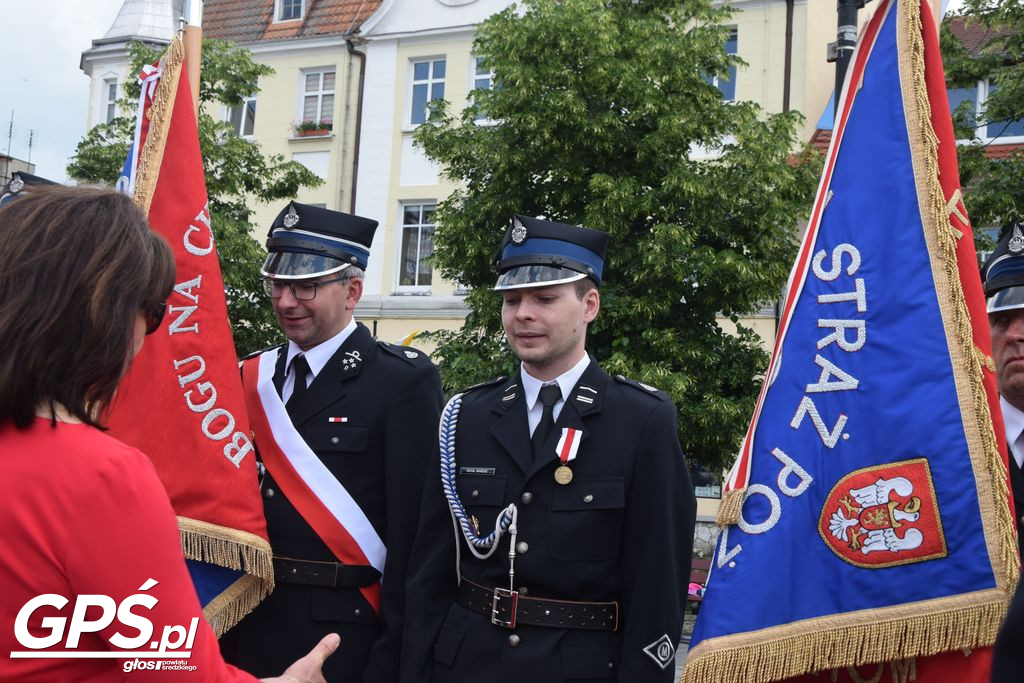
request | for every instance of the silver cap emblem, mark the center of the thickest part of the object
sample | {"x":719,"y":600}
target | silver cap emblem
{"x":16,"y":184}
{"x":1016,"y":243}
{"x":518,"y":232}
{"x":291,"y":219}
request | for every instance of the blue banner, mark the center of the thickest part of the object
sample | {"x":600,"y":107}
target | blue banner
{"x":867,"y":526}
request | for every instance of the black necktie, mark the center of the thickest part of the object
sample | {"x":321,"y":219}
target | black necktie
{"x":300,"y":366}
{"x":549,"y":395}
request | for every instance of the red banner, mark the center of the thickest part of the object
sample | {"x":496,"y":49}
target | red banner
{"x":182,"y":402}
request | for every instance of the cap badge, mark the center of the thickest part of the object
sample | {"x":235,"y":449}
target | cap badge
{"x":16,"y":184}
{"x":291,"y":219}
{"x":518,"y":232}
{"x":411,"y":354}
{"x":1016,"y":243}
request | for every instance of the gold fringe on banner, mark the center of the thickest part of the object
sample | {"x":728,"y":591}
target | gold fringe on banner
{"x":730,"y":508}
{"x":847,"y":645}
{"x":205,"y":542}
{"x":159,"y":115}
{"x":915,"y":629}
{"x":989,"y":470}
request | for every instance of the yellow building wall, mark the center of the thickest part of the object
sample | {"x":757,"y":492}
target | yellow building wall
{"x":278,"y":110}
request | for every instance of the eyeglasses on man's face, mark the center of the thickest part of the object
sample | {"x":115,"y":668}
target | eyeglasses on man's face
{"x":302,"y":290}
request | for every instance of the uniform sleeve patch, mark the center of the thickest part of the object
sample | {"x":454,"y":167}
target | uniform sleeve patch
{"x":662,"y":651}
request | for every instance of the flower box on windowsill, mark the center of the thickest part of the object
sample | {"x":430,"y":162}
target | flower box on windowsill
{"x":312,"y":132}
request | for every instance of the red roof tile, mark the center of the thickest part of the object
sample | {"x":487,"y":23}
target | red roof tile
{"x":975,"y":35}
{"x":250,"y":21}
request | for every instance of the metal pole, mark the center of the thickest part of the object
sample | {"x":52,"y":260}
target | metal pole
{"x":846,"y":41}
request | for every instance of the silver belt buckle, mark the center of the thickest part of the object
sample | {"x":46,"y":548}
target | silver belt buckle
{"x":499,"y":595}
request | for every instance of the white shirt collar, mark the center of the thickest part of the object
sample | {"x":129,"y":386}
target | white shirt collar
{"x":1013,"y":420}
{"x":566,"y":381}
{"x":318,"y":356}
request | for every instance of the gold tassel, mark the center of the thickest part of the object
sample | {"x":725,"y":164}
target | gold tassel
{"x":730,"y":508}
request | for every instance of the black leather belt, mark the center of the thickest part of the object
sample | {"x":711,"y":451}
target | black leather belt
{"x":333,"y":574}
{"x":510,"y":608}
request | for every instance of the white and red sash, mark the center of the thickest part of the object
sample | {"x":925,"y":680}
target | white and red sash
{"x":320,"y":498}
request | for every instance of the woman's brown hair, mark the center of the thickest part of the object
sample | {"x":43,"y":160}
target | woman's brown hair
{"x":76,"y":267}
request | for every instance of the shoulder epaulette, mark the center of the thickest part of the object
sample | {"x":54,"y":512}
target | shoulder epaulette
{"x":646,"y":388}
{"x":486,"y":383}
{"x":407,"y":353}
{"x":262,"y":351}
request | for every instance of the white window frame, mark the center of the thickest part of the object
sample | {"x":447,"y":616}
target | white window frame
{"x":109,"y":101}
{"x":399,"y":257}
{"x":303,"y":93}
{"x":279,"y":8}
{"x":473,"y":76}
{"x":430,"y":82}
{"x":981,"y":91}
{"x":241,"y":123}
{"x":715,"y":80}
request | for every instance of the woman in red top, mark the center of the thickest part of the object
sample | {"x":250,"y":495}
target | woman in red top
{"x":85,"y":522}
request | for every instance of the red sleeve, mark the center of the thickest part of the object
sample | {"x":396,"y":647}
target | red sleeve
{"x":128,"y":537}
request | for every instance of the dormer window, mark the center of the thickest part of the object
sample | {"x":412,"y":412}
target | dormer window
{"x":289,"y":10}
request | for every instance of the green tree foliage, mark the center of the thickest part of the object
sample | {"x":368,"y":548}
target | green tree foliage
{"x":237,"y":172}
{"x":994,"y":187}
{"x":603,"y":116}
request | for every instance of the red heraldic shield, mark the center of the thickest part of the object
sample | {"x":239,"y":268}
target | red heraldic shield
{"x":884,"y":516}
{"x":181,"y":402}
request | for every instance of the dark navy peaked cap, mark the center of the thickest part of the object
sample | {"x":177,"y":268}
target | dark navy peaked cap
{"x":309,"y":241}
{"x":1004,"y":272}
{"x":537,"y":253}
{"x":18,"y":184}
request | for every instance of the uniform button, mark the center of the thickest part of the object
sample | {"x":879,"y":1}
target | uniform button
{"x":527,"y":498}
{"x":269,"y":493}
{"x":588,"y":498}
{"x":335,"y":440}
{"x":357,"y":612}
{"x":611,"y":665}
{"x":513,"y":640}
{"x":475,"y":494}
{"x":522,"y":547}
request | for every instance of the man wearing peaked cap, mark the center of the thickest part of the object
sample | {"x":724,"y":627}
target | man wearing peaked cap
{"x":20,"y":183}
{"x":571,"y":497}
{"x":344,"y":428}
{"x":1003,"y":276}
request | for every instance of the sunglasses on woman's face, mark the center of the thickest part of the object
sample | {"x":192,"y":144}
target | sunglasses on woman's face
{"x":154,"y":315}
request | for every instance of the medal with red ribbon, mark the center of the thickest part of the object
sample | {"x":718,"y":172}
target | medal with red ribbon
{"x":566,"y":449}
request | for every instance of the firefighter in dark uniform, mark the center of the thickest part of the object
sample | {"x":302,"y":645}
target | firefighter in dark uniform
{"x":1004,"y":292}
{"x":368,"y":413}
{"x":569,"y":493}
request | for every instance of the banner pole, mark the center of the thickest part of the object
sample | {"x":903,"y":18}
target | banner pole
{"x":193,"y":40}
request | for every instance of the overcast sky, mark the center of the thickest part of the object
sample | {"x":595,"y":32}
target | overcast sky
{"x":40,"y":81}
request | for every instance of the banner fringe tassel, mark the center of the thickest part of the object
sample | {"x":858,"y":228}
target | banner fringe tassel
{"x":236,"y":550}
{"x":730,"y":508}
